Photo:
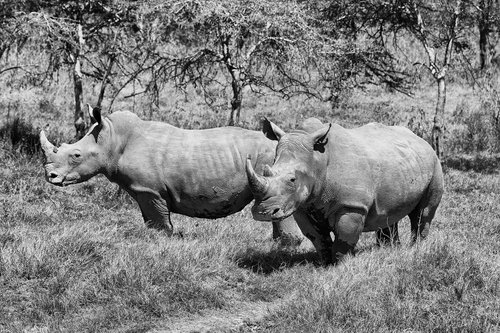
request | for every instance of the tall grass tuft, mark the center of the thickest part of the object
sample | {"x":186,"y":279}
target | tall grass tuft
{"x":433,"y":286}
{"x":79,"y":258}
{"x":475,"y":128}
{"x":23,"y":136}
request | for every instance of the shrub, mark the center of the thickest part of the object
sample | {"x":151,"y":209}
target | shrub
{"x":431,"y":287}
{"x":491,"y":105}
{"x":419,"y":124}
{"x":478,"y":131}
{"x":474,"y":130}
{"x":23,"y":136}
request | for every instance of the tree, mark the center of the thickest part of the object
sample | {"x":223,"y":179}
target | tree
{"x":266,"y":46}
{"x":435,"y":25}
{"x":358,"y":27}
{"x":488,"y":22}
{"x":74,"y":32}
{"x":10,"y":37}
{"x":438,"y":67}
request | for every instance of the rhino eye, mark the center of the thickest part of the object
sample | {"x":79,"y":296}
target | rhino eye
{"x":75,"y":157}
{"x":292,"y":180}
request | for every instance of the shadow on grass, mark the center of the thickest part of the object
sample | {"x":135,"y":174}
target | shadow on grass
{"x":267,"y":262}
{"x":482,"y":163}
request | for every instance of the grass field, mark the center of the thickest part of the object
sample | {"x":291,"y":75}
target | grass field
{"x":79,"y":258}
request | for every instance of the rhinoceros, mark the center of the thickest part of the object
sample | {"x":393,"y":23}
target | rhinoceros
{"x":198,"y":173}
{"x":348,"y":181}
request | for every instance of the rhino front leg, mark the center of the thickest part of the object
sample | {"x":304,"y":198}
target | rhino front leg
{"x":287,"y":232}
{"x":347,"y":226}
{"x":318,"y":233}
{"x":155,"y":212}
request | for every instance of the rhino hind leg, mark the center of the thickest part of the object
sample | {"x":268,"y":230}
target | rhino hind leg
{"x":388,"y":236}
{"x":155,"y":212}
{"x":420,"y":222}
{"x":421,"y":218}
{"x":423,"y":214}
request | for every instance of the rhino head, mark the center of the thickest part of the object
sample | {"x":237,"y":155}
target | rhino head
{"x":298,"y":167}
{"x":77,"y":162}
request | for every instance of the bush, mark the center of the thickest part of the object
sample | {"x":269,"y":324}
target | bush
{"x":419,"y":124}
{"x":477,"y":135}
{"x":473,"y":131}
{"x":23,"y":136}
{"x":431,"y":287}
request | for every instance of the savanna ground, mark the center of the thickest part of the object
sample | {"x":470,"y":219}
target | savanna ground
{"x":79,"y":258}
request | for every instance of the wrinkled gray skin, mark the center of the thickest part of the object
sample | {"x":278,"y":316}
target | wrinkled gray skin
{"x":198,"y":173}
{"x":348,"y":181}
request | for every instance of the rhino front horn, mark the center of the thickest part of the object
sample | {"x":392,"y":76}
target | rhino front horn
{"x":258,"y":184}
{"x":46,"y":145}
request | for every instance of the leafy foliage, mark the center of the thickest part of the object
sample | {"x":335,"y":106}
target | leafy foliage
{"x":230,"y":45}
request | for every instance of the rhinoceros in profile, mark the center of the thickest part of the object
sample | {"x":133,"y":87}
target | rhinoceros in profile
{"x":348,"y":181}
{"x":198,"y":173}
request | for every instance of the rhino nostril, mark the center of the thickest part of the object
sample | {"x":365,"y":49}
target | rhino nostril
{"x":52,"y":175}
{"x":276,"y":211}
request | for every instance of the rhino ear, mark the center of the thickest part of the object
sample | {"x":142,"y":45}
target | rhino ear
{"x":271,"y":130}
{"x":95,"y":114}
{"x":320,"y":138}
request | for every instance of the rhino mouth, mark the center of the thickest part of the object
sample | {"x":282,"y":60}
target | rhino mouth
{"x":57,"y":180}
{"x":274,"y":214}
{"x":69,"y":182}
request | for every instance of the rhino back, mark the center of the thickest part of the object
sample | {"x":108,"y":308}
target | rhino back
{"x":383,"y":169}
{"x":200,"y":172}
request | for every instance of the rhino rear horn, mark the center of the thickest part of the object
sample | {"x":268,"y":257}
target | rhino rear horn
{"x":267,"y":171}
{"x":258,"y":184}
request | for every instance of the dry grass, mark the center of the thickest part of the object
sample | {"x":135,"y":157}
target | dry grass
{"x":79,"y":259}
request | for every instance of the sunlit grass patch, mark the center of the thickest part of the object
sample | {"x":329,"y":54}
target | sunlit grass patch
{"x":433,"y":286}
{"x":80,"y":259}
{"x":76,"y":267}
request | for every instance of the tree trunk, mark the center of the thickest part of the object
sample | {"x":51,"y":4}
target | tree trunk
{"x":79,"y":115}
{"x":484,"y":40}
{"x":438,"y":126}
{"x":104,"y":81}
{"x":439,"y":72}
{"x":237,"y":98}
